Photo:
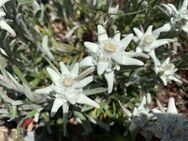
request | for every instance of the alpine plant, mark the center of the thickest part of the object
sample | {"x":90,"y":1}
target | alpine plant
{"x":109,"y":54}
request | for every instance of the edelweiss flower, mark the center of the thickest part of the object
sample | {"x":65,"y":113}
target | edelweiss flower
{"x":179,"y":18}
{"x":166,"y":70}
{"x":108,"y":54}
{"x":170,"y":126}
{"x":148,"y":41}
{"x":67,"y":89}
{"x":3,"y":24}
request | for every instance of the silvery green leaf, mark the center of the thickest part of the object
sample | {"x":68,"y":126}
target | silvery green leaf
{"x":5,"y":26}
{"x":18,"y":86}
{"x":6,"y":99}
{"x":31,"y":95}
{"x":21,"y":2}
{"x":13,"y":112}
{"x":95,"y":91}
{"x":4,"y":113}
{"x":125,"y":110}
{"x":86,"y":72}
{"x":46,"y":48}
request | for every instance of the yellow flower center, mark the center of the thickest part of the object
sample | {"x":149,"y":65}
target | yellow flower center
{"x":68,"y":81}
{"x":148,"y":39}
{"x":110,"y":47}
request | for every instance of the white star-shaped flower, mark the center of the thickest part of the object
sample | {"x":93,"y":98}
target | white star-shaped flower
{"x":179,"y":17}
{"x":67,"y":89}
{"x":108,"y":54}
{"x":3,"y":24}
{"x":167,"y":70}
{"x":148,"y":41}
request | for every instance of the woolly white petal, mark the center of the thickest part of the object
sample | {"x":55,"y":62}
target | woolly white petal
{"x":123,"y":59}
{"x":71,"y":98}
{"x":102,"y":35}
{"x":126,"y":40}
{"x":184,"y":6}
{"x":91,"y":46}
{"x":173,"y":8}
{"x":164,"y":28}
{"x":176,"y":79}
{"x":85,"y":100}
{"x":168,"y":8}
{"x":171,"y":106}
{"x":136,"y":54}
{"x":139,"y":49}
{"x":56,"y":105}
{"x":167,"y":61}
{"x":64,"y":69}
{"x":87,"y":61}
{"x":158,"y":43}
{"x":101,"y":67}
{"x":149,"y":30}
{"x":5,"y":26}
{"x":55,"y":76}
{"x":185,"y":27}
{"x":138,"y":32}
{"x":2,"y":14}
{"x":155,"y":110}
{"x":2,"y":2}
{"x":75,"y":70}
{"x":164,"y":79}
{"x":82,"y":83}
{"x":109,"y":76}
{"x":45,"y":90}
{"x":117,"y":37}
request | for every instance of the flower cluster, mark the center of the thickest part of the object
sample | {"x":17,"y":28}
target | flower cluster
{"x":109,"y":53}
{"x":68,"y":88}
{"x":178,"y":17}
{"x":107,"y":58}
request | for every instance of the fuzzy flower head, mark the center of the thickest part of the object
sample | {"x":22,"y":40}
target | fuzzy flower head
{"x":167,"y":71}
{"x":108,"y":54}
{"x":179,"y":17}
{"x":148,"y":41}
{"x":67,"y":88}
{"x":3,"y":24}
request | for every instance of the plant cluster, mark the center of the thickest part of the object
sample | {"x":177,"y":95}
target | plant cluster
{"x":90,"y":63}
